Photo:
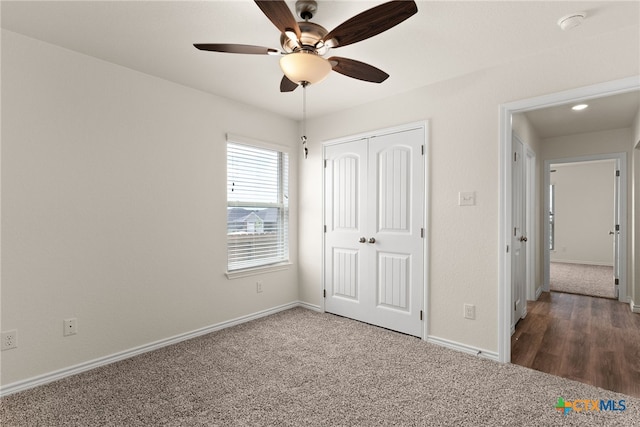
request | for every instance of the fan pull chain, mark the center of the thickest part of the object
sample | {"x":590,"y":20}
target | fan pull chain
{"x":304,"y":119}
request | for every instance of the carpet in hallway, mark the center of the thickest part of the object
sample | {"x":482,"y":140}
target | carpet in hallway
{"x":594,"y":280}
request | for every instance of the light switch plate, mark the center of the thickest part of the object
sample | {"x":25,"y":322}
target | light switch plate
{"x":467,"y":198}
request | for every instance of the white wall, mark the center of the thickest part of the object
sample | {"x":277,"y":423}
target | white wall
{"x":114,"y":208}
{"x":464,"y":153}
{"x":584,"y":212}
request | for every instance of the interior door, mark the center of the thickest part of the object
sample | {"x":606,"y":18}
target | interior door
{"x":345,"y":229}
{"x":518,"y":236}
{"x":374,"y":242}
{"x":396,"y":212}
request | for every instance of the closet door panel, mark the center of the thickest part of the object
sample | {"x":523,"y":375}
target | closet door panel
{"x":345,"y":188}
{"x":374,"y":240}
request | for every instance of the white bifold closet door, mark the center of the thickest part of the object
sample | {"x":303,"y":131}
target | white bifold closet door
{"x":375,"y":231}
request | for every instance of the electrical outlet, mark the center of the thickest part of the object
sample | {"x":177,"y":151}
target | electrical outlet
{"x":469,"y":311}
{"x":70,"y":326}
{"x":258,"y":287}
{"x":9,"y":339}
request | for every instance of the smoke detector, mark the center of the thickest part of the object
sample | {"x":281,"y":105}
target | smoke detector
{"x":572,"y":20}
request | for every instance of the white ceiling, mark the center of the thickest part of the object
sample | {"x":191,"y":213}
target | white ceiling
{"x":611,"y":112}
{"x":444,"y":39}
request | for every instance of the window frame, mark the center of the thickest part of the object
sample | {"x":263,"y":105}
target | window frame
{"x":284,"y":202}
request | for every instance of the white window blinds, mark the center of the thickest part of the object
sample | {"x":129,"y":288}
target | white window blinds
{"x":257,"y":206}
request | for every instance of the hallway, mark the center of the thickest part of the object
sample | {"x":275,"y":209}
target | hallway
{"x":587,"y":339}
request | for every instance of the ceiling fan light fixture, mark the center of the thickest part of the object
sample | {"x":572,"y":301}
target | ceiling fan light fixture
{"x":306,"y":67}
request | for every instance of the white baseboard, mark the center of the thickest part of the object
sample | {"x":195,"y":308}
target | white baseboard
{"x":538,"y":292}
{"x":634,"y":307}
{"x":102,"y":361}
{"x":571,"y":261}
{"x":310,"y":306}
{"x":463,"y":348}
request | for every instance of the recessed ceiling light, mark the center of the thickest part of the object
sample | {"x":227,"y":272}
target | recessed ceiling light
{"x":579,"y":107}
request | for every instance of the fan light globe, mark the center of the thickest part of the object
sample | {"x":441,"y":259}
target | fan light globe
{"x":302,"y":67}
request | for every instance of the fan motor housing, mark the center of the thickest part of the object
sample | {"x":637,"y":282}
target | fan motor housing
{"x":310,"y":35}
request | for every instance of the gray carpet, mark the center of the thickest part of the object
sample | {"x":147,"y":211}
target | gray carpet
{"x":302,"y":368}
{"x":594,"y":280}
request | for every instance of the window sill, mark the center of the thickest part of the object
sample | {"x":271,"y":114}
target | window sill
{"x":257,"y":270}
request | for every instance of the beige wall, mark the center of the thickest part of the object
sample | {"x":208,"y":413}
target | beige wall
{"x":525,"y":131}
{"x":587,"y":144}
{"x":464,"y":156}
{"x":635,"y":267}
{"x":584,"y":212}
{"x":114,"y":208}
{"x":113,"y":197}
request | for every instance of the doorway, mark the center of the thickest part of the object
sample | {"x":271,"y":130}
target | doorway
{"x":506,"y":203}
{"x":583,"y":226}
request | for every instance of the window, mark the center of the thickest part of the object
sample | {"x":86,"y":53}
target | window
{"x":257,"y":206}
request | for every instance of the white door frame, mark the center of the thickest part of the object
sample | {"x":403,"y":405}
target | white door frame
{"x":524,"y":231}
{"x":531,"y":215}
{"x":506,"y":111}
{"x":530,"y":212}
{"x":621,"y":165}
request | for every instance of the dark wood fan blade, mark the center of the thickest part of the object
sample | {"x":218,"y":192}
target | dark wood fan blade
{"x":236,"y":48}
{"x":278,"y":12}
{"x":371,"y":22}
{"x":358,"y":70}
{"x":287,"y":85}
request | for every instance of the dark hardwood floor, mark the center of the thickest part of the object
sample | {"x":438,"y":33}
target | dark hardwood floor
{"x":587,"y":339}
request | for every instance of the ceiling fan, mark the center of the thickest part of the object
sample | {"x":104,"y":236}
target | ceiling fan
{"x":305,"y":43}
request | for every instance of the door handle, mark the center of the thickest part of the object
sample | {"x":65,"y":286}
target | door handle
{"x":611,"y":233}
{"x":523,"y":239}
{"x":372,"y":240}
{"x":362,"y":240}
